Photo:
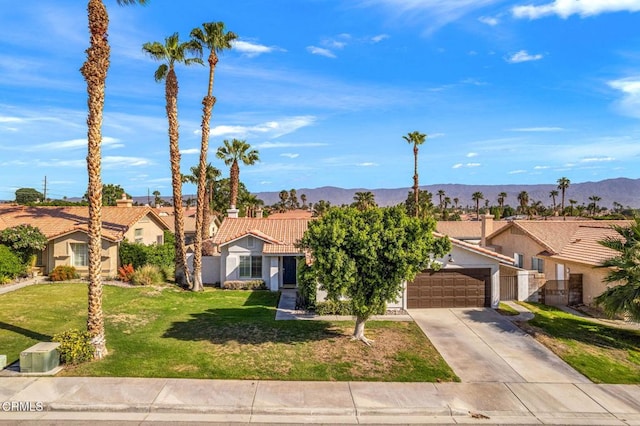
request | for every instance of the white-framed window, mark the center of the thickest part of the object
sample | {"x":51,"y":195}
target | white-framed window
{"x":537,"y":264}
{"x":250,"y":266}
{"x":139,"y":235}
{"x":519,"y":260}
{"x":79,"y":254}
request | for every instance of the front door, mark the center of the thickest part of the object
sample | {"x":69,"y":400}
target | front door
{"x":289,"y":273}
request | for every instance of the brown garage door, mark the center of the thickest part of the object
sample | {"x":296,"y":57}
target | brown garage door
{"x":450,"y":289}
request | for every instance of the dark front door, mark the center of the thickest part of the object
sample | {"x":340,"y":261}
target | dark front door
{"x":289,"y":274}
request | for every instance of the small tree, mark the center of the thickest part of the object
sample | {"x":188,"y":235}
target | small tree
{"x":24,"y":240}
{"x":367,"y":255}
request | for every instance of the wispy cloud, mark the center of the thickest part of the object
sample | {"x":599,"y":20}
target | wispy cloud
{"x":119,"y":161}
{"x":271,"y":129}
{"x":489,"y":20}
{"x":320,"y":51}
{"x":367,"y":164}
{"x":469,"y":165}
{"x":596,"y":159}
{"x":537,"y":129}
{"x":72,"y":144}
{"x":190,"y":151}
{"x":584,"y":8}
{"x":271,"y":145}
{"x":472,"y":154}
{"x":540,"y":167}
{"x":517,"y":172}
{"x":253,"y":49}
{"x":630,"y":102}
{"x":378,"y":38}
{"x":289,"y":155}
{"x":523,"y":56}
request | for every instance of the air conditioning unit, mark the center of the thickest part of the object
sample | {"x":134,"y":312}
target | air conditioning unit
{"x":40,"y":358}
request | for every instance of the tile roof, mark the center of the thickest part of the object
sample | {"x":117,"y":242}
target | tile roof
{"x":57,"y":221}
{"x":280,"y":234}
{"x":292,"y":214}
{"x":573,"y":240}
{"x":477,"y":249}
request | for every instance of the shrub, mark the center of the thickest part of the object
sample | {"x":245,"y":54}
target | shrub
{"x":331,"y":307}
{"x":168,"y":272}
{"x":24,"y":240}
{"x":125,"y":273}
{"x":63,"y":273}
{"x":147,"y":275}
{"x":307,"y":286}
{"x":245,"y":285}
{"x":138,"y":254}
{"x":10,"y":264}
{"x":75,"y":346}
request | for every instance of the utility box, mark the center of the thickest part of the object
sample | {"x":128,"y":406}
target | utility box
{"x":40,"y":358}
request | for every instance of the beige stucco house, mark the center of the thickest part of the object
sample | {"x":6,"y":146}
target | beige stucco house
{"x":66,"y":230}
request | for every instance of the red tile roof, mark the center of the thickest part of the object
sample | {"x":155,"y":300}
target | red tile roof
{"x":466,"y":229}
{"x":292,"y":214}
{"x":57,"y":221}
{"x":280,"y":234}
{"x":480,"y":250}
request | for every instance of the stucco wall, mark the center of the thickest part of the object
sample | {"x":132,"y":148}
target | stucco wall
{"x":59,"y":253}
{"x":151,"y":230}
{"x":230,"y":259}
{"x":508,"y":244}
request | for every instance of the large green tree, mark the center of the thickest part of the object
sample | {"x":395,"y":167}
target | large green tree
{"x":213,"y":36}
{"x":111,"y":193}
{"x":232,"y":152}
{"x":28,"y":195}
{"x":171,"y":52}
{"x":624,"y":272}
{"x":416,"y":138}
{"x":94,"y":70}
{"x":25,"y":240}
{"x":367,"y":255}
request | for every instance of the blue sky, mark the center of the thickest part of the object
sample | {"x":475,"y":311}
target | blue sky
{"x":507,"y":91}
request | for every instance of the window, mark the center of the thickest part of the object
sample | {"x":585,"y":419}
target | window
{"x":250,"y":266}
{"x":251,"y":242}
{"x":138,"y":235}
{"x":537,"y":264}
{"x":519,"y":260}
{"x":79,"y":254}
{"x":160,"y":239}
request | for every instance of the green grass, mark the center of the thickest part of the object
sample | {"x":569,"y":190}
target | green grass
{"x":603,"y":354}
{"x":504,"y":309}
{"x":221,"y":334}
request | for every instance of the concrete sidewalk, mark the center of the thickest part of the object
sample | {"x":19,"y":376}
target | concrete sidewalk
{"x":88,"y":400}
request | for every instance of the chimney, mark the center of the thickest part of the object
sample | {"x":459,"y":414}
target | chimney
{"x":232,"y":212}
{"x":487,"y":228}
{"x":124,"y":201}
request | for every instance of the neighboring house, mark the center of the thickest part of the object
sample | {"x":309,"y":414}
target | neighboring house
{"x":256,"y":248}
{"x":470,"y":231}
{"x":566,"y":252}
{"x":292,"y":214}
{"x":166,"y":214}
{"x":66,"y":230}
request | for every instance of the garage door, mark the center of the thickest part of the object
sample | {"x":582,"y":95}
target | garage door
{"x":450,"y":289}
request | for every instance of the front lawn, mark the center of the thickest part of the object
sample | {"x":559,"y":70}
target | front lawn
{"x":603,"y":354}
{"x":218,"y":334}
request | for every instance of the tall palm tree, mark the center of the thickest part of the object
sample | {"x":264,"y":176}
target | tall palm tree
{"x":501,"y":197}
{"x":563,"y":184}
{"x":156,"y":198}
{"x":416,"y":138}
{"x":170,"y":53}
{"x":94,"y":71}
{"x":477,"y":196}
{"x":441,"y":195}
{"x":364,"y":200}
{"x":303,"y":197}
{"x":212,"y":35}
{"x":456,"y":200}
{"x":211,"y":176}
{"x":572,"y":203}
{"x":446,"y":202}
{"x":553,"y":194}
{"x":293,"y":199}
{"x":623,"y":268}
{"x":231,"y":152}
{"x":523,"y":199}
{"x":284,"y":197}
{"x":594,"y":203}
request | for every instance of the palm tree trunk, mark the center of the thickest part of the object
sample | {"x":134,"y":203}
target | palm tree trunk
{"x":416,"y":196}
{"x":94,"y":71}
{"x":234,"y":175}
{"x":171,"y":94}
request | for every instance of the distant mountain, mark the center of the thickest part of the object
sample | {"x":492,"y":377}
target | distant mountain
{"x":622,"y":190}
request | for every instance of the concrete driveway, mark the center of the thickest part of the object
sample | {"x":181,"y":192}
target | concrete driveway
{"x":483,"y":346}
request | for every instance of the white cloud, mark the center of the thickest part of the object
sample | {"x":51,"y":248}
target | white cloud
{"x":630,"y":102}
{"x":118,"y":161}
{"x":435,"y":135}
{"x":320,"y":51}
{"x":489,"y":20}
{"x":252,"y":49}
{"x":289,"y":155}
{"x":6,"y":119}
{"x":584,"y":8}
{"x":523,"y":56}
{"x":379,"y":38}
{"x":190,"y":151}
{"x":460,"y":165}
{"x":537,"y":129}
{"x":107,"y":142}
{"x":271,"y":129}
{"x":366,"y":164}
{"x":540,"y":167}
{"x":472,"y":154}
{"x":517,"y":172}
{"x":596,"y":159}
{"x":473,"y":165}
{"x":269,"y":145}
{"x":457,"y":166}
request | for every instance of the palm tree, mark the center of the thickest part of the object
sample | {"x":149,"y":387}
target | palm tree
{"x":303,"y":197}
{"x":169,"y":53}
{"x":625,"y":267}
{"x":156,"y":198}
{"x":416,"y":138}
{"x":213,"y":36}
{"x":501,"y":197}
{"x":293,"y":199}
{"x":572,"y":203}
{"x":94,"y":71}
{"x":477,"y":196}
{"x":563,"y":184}
{"x":553,"y":194}
{"x":231,"y":152}
{"x":446,"y":202}
{"x":364,"y":200}
{"x":594,"y":203}
{"x":523,"y":199}
{"x":211,"y":176}
{"x":456,"y":200}
{"x":441,"y":195}
{"x":284,"y":197}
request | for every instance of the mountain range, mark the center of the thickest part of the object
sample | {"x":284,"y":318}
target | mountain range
{"x":621,"y":190}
